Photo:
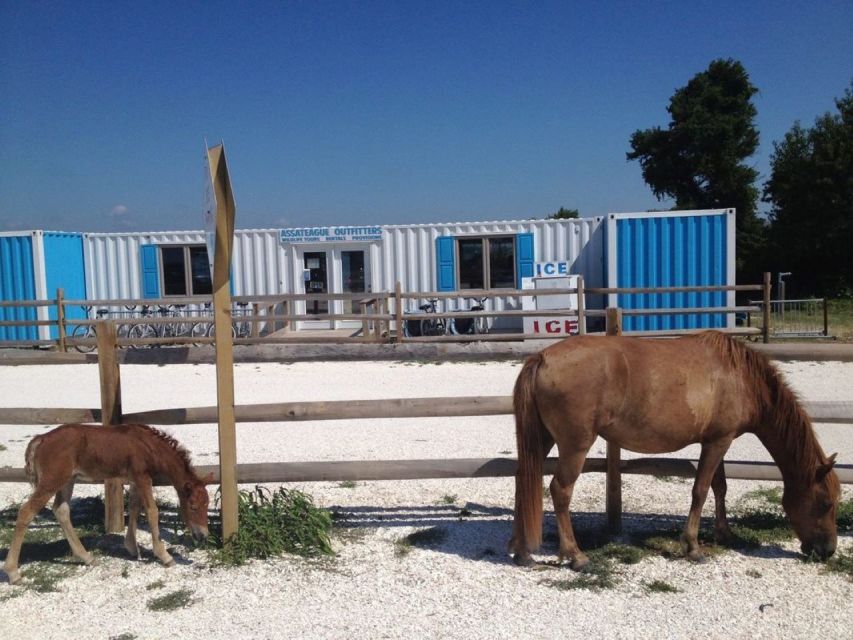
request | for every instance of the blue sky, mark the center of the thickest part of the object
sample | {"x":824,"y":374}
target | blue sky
{"x":374,"y":113}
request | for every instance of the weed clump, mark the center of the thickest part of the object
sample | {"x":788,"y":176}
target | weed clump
{"x":841,"y":562}
{"x":272,"y":524}
{"x":596,"y":576}
{"x":171,"y":601}
{"x":659,"y":586}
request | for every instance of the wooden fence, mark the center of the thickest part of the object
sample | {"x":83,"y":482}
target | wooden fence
{"x":381,"y":315}
{"x":110,"y":412}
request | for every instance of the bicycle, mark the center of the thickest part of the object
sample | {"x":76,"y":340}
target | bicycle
{"x":416,"y":327}
{"x":175,"y":329}
{"x":87,"y":331}
{"x":466,"y":326}
{"x":239,"y":328}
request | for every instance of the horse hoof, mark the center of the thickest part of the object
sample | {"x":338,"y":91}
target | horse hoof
{"x":14,"y":578}
{"x":697,"y":557}
{"x":523,"y":560}
{"x":169,"y":564}
{"x":579,"y":563}
{"x":89,"y":560}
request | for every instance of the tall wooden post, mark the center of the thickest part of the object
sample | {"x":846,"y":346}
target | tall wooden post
{"x":765,"y":330}
{"x":614,"y":454}
{"x":581,"y":308}
{"x":60,"y":318}
{"x":398,"y":309}
{"x":224,"y":219}
{"x":108,"y":368}
{"x":825,"y":319}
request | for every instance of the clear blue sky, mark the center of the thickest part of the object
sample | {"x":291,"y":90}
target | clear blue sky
{"x":374,"y":113}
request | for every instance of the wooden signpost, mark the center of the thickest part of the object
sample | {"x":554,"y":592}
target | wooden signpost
{"x":223,"y":218}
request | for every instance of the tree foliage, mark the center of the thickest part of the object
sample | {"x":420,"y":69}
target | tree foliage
{"x":564,"y":214}
{"x":811,"y":193}
{"x":699,"y":159}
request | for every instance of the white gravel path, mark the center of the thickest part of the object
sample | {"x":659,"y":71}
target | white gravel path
{"x":465,"y":586}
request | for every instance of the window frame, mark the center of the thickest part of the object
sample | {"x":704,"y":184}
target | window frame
{"x":487,"y":270}
{"x":188,"y":275}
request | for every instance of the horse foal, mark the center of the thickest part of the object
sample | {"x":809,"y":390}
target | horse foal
{"x":134,"y":453}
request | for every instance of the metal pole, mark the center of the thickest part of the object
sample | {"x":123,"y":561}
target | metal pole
{"x":765,"y":330}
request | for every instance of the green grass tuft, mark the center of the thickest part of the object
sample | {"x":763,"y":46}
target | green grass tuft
{"x":448,"y":498}
{"x":623,"y":553}
{"x":770,"y":495}
{"x":844,"y":515}
{"x":157,"y":584}
{"x":124,"y":636}
{"x":44,"y":577}
{"x":841,"y":562}
{"x":271,"y":524}
{"x":347,"y":484}
{"x":752,"y":573}
{"x":596,"y":576}
{"x":659,"y":586}
{"x":174,"y":600}
{"x":756,"y":527}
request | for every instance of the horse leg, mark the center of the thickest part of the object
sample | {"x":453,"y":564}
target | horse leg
{"x":569,"y":468}
{"x":710,"y":458}
{"x":143,"y":485}
{"x":132,"y":518}
{"x":28,"y":511}
{"x":62,"y":512}
{"x":722,"y":532}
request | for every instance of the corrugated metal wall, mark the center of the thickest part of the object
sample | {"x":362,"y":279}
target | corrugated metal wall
{"x":17,"y":282}
{"x":113,"y":262}
{"x":669,"y":250}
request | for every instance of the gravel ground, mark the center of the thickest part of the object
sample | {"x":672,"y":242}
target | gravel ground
{"x":463,"y":586}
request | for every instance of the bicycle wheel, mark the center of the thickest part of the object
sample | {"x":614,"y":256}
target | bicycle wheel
{"x":412,"y":328}
{"x":211,"y":332}
{"x":84,"y":332}
{"x":461,"y":326}
{"x":199,"y":330}
{"x":432,"y":327}
{"x":141,"y":332}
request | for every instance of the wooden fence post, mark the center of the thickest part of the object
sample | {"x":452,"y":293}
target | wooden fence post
{"x":398,"y":309}
{"x":581,"y":308}
{"x":110,"y":415}
{"x":60,"y":318}
{"x":825,"y":319}
{"x":765,"y":330}
{"x":614,"y":454}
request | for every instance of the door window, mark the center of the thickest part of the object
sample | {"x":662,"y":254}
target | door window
{"x":352,"y":275}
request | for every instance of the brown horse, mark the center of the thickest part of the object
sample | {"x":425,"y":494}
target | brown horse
{"x":657,"y":396}
{"x":134,"y":453}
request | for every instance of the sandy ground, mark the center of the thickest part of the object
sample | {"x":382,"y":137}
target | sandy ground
{"x":464,"y":586}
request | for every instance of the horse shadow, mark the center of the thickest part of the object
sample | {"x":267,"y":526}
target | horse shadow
{"x":481,"y":533}
{"x":45,"y":542}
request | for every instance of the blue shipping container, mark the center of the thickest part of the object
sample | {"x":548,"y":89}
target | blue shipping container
{"x":64,"y":269}
{"x":17,"y":282}
{"x":672,"y":249}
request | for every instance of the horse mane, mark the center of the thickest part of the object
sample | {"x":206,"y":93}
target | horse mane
{"x":777,"y":406}
{"x":173,"y":445}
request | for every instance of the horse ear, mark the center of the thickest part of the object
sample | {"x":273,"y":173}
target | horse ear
{"x":824,"y":469}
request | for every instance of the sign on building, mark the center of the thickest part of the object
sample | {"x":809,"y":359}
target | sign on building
{"x":330,"y":234}
{"x":551,"y":275}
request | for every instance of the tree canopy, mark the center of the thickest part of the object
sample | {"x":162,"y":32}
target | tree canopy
{"x":811,"y":193}
{"x":564,"y":214}
{"x":699,"y":159}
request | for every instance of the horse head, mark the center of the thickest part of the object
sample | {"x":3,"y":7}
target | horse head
{"x":194,"y":501}
{"x":811,"y":507}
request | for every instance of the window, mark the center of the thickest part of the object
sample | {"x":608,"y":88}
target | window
{"x":486,"y":263}
{"x":185,"y":271}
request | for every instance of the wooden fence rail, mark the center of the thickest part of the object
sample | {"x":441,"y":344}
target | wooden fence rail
{"x":377,"y":318}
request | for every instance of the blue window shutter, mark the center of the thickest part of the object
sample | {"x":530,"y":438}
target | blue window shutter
{"x":150,"y":271}
{"x":523,"y":257}
{"x":445,"y":263}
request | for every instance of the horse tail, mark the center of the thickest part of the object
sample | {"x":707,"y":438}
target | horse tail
{"x":527,"y":524}
{"x":30,"y":469}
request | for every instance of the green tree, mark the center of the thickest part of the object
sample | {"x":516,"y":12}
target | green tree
{"x":811,"y":193}
{"x":699,"y":159}
{"x":564,"y":214}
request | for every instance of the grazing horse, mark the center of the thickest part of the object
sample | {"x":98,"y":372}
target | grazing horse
{"x":657,"y":396}
{"x":134,"y":453}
